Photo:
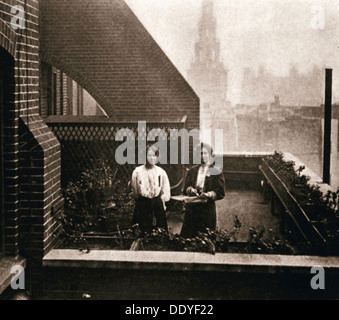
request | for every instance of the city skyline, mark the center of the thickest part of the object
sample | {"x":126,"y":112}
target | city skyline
{"x":252,"y":34}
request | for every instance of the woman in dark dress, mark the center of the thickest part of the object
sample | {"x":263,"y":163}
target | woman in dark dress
{"x":207,"y":182}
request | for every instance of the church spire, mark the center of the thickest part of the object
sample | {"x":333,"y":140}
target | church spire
{"x":207,"y":48}
{"x":207,"y":24}
{"x":207,"y":73}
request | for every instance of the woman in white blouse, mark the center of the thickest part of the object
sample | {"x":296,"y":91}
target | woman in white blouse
{"x":151,"y":186}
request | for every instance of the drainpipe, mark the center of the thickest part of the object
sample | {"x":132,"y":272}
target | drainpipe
{"x":327,"y":126}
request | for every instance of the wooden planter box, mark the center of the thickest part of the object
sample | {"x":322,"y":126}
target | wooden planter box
{"x":303,"y":218}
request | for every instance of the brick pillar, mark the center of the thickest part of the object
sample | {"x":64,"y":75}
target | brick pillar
{"x":40,"y":190}
{"x":32,"y":191}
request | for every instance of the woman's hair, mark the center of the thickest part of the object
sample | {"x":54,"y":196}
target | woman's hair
{"x":150,"y":146}
{"x":202,"y":145}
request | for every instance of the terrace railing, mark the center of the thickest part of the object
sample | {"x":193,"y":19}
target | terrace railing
{"x":87,"y":141}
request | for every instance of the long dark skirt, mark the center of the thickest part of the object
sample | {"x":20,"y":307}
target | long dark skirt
{"x":150,"y":214}
{"x":198,"y":217}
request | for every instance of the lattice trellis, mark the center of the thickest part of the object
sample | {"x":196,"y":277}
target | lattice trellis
{"x":109,"y":131}
{"x":83,"y":144}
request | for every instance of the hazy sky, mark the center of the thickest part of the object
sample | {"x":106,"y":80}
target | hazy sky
{"x":274,"y":33}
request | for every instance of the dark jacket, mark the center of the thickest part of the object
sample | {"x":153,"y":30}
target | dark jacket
{"x":199,"y":216}
{"x":213,"y":182}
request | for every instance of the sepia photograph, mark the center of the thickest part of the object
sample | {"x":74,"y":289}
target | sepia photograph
{"x":183,"y":151}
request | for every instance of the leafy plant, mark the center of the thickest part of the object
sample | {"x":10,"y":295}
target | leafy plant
{"x":160,"y":239}
{"x":322,"y":209}
{"x":94,"y":202}
{"x":209,"y":241}
{"x":260,"y":242}
{"x":299,"y":186}
{"x":212,"y":241}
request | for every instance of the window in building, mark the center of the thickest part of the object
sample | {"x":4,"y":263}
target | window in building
{"x":69,"y":95}
{"x":75,"y":99}
{"x":54,"y":94}
{"x":61,"y":93}
{"x":80,"y":100}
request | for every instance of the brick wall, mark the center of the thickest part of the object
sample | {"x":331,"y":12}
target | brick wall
{"x":121,"y":67}
{"x":40,"y":196}
{"x":8,"y":40}
{"x":164,"y":284}
{"x":103,"y":46}
{"x":31,"y":152}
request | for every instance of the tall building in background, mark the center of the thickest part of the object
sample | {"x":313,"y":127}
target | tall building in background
{"x":207,"y":74}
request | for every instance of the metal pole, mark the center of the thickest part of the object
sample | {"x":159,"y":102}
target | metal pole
{"x":327,"y":126}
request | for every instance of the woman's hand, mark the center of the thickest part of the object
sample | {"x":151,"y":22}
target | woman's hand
{"x":191,"y":191}
{"x":163,"y":202}
{"x":205,"y":195}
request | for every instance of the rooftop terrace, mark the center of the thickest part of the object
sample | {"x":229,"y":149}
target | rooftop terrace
{"x":250,"y":207}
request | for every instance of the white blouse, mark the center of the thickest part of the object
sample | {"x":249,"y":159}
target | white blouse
{"x":201,"y":177}
{"x":149,"y":183}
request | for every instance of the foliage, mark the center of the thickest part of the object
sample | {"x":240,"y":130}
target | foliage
{"x":87,"y":199}
{"x":160,"y":239}
{"x":299,"y":186}
{"x":322,"y":209}
{"x":208,"y":241}
{"x":212,"y":241}
{"x":261,"y":241}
